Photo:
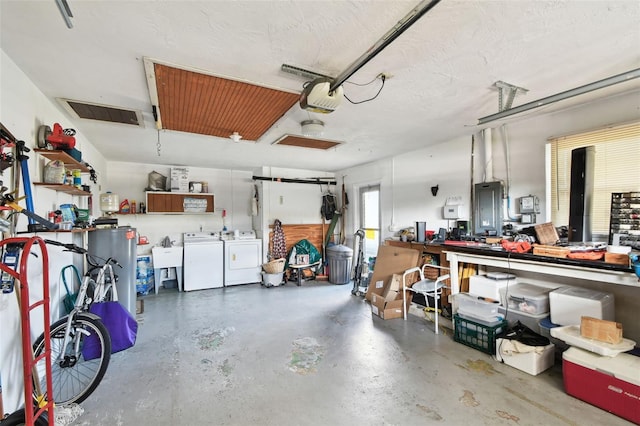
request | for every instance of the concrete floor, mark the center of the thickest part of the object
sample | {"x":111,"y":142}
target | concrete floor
{"x":313,"y":355}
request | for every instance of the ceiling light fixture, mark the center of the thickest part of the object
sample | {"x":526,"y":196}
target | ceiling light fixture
{"x":312,"y":128}
{"x":235,"y":136}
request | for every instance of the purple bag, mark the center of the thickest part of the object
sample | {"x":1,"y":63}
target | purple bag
{"x":122,"y":327}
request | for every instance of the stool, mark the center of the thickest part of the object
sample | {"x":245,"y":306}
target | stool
{"x":158,"y":274}
{"x":301,"y":267}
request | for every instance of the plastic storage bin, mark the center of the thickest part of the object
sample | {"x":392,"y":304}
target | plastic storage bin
{"x":489,"y":285}
{"x":529,"y":320}
{"x":472,"y":305}
{"x":569,"y":304}
{"x":539,"y":359}
{"x":339,"y":258}
{"x":476,"y":335}
{"x":528,"y":298}
{"x":272,"y":280}
{"x":545,"y":326}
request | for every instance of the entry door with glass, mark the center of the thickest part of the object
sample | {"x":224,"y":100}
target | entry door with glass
{"x":369,"y":205}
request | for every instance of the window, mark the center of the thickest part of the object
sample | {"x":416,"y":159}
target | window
{"x":616,"y":169}
{"x":370,"y":219}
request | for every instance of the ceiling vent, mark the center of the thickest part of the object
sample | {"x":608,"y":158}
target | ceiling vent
{"x":108,"y":113}
{"x":306,"y":142}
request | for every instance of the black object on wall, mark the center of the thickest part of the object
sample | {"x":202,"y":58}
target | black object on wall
{"x":581,"y":193}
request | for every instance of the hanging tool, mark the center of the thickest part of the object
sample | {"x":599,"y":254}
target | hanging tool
{"x":58,"y":138}
{"x":42,"y":224}
{"x":7,"y":201}
{"x":6,"y":141}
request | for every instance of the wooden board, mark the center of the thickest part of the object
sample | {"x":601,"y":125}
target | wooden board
{"x":547,"y":234}
{"x":550,"y":251}
{"x":294,"y":233}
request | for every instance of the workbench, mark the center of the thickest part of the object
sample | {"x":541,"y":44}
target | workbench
{"x":620,"y":280}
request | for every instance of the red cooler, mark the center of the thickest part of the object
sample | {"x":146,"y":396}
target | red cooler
{"x":611,"y":383}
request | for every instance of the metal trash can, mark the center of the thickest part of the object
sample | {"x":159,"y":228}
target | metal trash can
{"x":339,"y":258}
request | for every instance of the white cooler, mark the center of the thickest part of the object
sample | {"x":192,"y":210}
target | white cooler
{"x":569,"y":304}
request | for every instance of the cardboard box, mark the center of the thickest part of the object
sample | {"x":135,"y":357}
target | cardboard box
{"x":391,"y":260}
{"x":389,"y":309}
{"x":601,"y":330}
{"x":389,"y":304}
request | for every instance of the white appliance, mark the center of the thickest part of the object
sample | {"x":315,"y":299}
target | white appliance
{"x":242,"y":259}
{"x":203,"y":261}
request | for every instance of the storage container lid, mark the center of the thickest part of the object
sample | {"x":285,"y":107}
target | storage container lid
{"x":528,"y":291}
{"x":516,"y":313}
{"x":625,"y":367}
{"x":570,"y":334}
{"x":546,"y":323}
{"x":583,"y":293}
{"x":339,"y":251}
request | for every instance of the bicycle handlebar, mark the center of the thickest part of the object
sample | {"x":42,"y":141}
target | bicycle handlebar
{"x":68,"y":246}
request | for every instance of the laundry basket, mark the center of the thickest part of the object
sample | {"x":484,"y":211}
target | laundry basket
{"x":274,"y":267}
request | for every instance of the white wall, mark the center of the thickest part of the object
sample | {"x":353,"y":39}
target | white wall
{"x":23,"y":108}
{"x":291,"y":203}
{"x":232,"y":191}
{"x":408,"y":199}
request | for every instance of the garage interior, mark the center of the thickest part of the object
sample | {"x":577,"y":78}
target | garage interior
{"x":383,"y":135}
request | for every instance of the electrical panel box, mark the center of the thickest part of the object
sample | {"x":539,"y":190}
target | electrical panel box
{"x":487,"y":209}
{"x":529,"y":204}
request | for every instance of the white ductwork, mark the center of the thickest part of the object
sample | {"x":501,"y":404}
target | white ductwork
{"x":488,"y":155}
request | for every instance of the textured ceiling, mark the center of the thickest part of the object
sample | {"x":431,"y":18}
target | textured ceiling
{"x":442,"y":69}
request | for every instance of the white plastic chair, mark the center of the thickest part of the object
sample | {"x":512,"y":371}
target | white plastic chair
{"x":425,"y":286}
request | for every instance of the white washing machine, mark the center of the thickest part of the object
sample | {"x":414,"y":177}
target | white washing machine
{"x":203,"y":266}
{"x":242,"y":258}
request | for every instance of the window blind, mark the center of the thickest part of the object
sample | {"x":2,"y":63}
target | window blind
{"x":616,"y":169}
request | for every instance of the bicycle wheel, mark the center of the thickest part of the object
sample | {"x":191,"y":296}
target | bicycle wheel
{"x":74,"y":376}
{"x":18,"y":418}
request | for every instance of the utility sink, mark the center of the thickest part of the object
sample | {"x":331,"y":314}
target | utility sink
{"x":167,"y":257}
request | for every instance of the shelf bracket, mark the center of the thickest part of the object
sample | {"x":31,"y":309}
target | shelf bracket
{"x":506,"y":94}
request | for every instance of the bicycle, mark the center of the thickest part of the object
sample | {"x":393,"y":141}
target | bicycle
{"x":80,"y":343}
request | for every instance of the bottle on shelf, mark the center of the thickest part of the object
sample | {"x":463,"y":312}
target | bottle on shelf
{"x":133,"y":207}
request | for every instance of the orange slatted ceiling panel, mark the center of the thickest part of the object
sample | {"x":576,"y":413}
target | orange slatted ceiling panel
{"x":306,"y":142}
{"x":198,"y":103}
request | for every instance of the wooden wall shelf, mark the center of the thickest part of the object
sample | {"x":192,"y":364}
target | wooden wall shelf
{"x":60,"y":187}
{"x":173,"y":202}
{"x":69,"y":162}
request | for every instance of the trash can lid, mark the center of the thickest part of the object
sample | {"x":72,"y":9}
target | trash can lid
{"x":339,"y":251}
